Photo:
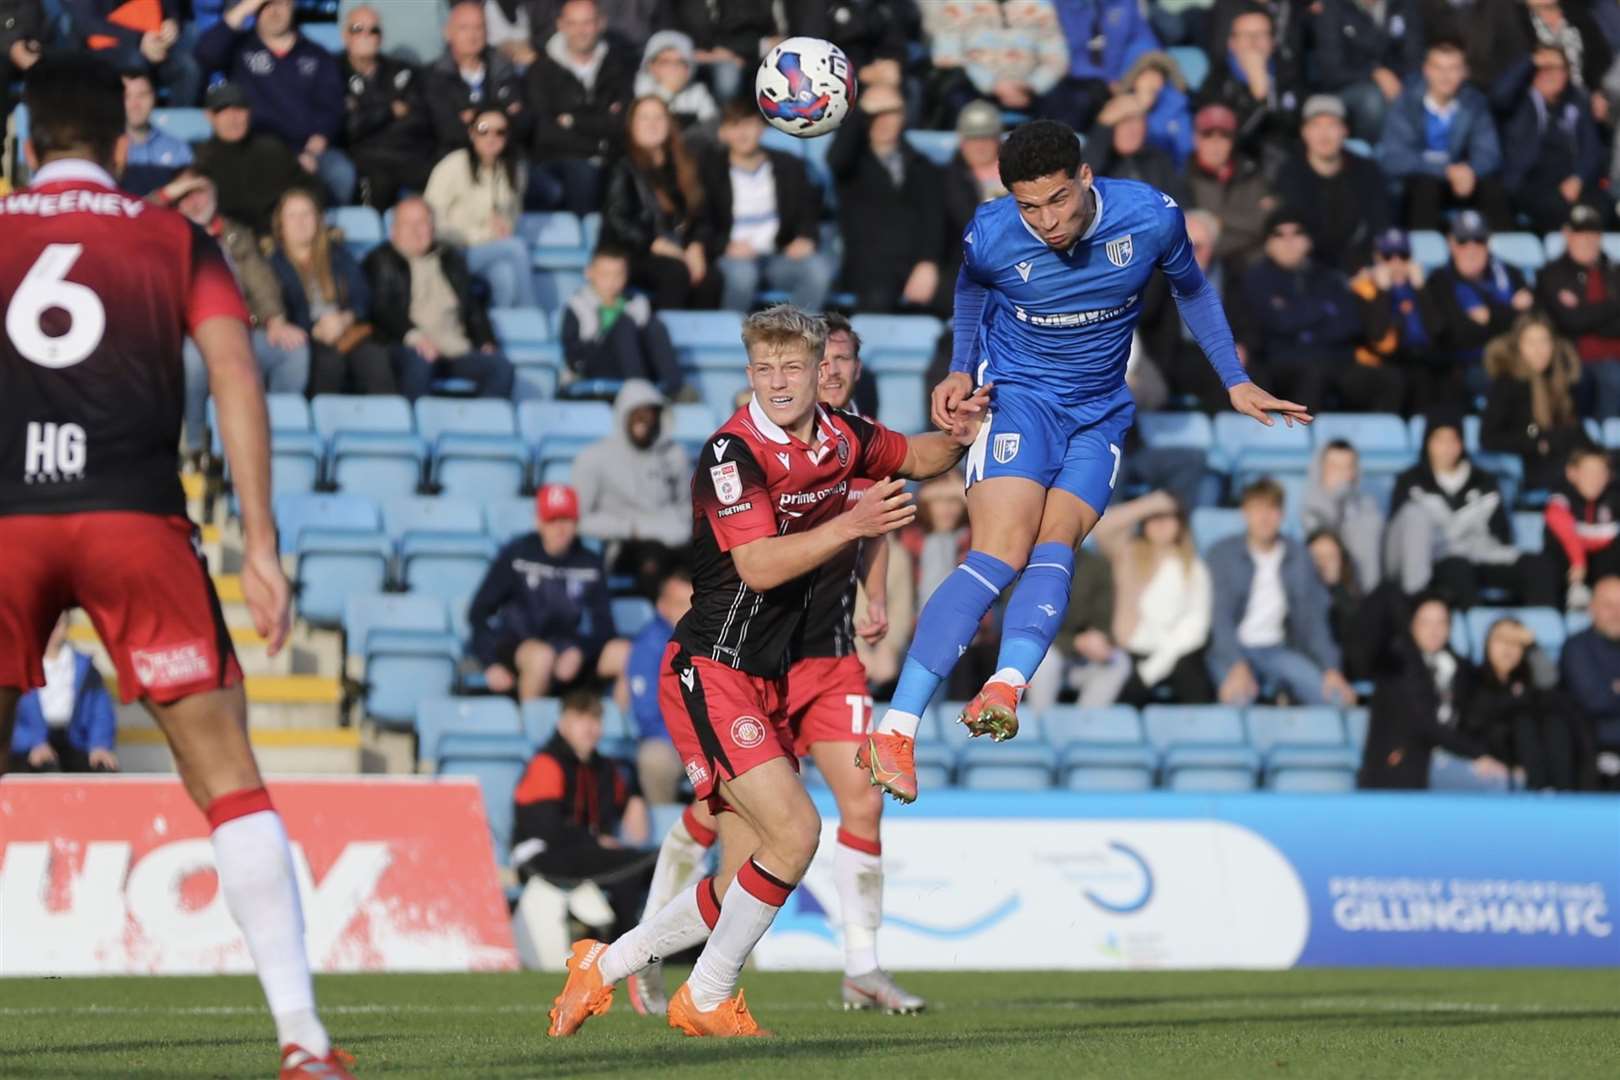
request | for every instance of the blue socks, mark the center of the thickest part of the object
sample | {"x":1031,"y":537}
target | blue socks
{"x":1035,"y":611}
{"x":945,"y":626}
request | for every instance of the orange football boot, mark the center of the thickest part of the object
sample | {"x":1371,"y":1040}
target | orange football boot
{"x":890,"y":759}
{"x":728,"y":1020}
{"x":993,"y":712}
{"x":583,"y":995}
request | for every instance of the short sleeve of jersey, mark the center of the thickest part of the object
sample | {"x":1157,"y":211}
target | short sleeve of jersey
{"x":212,"y":290}
{"x":882,"y":451}
{"x":729,"y":489}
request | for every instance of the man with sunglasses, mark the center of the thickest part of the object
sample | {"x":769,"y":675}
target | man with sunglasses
{"x":385,"y":116}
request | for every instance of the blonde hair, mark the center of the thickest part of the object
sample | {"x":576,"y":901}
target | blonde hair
{"x":1142,"y":555}
{"x":784,"y":326}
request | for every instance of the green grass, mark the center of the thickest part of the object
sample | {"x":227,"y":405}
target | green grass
{"x":1452,"y":1024}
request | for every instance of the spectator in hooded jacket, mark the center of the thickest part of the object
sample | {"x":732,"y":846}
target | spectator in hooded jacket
{"x":541,"y":617}
{"x":1552,"y":156}
{"x":668,"y":72}
{"x":1270,"y":619}
{"x":470,"y":75}
{"x":1439,"y":142}
{"x":658,"y":764}
{"x":1583,"y":524}
{"x":154,"y":155}
{"x":68,"y":724}
{"x":1591,"y":671}
{"x":1118,"y":147}
{"x":1580,"y":292}
{"x":1517,"y":713}
{"x":1228,"y":186}
{"x":1341,"y":195}
{"x":293,"y":86}
{"x":635,"y":485}
{"x":139,"y":37}
{"x":1365,"y":50}
{"x":764,"y":215}
{"x":477,"y":197}
{"x":1392,"y":328}
{"x":1530,"y":409}
{"x":1335,"y":502}
{"x":1264,"y":94}
{"x":1473,"y":298}
{"x":1449,"y":531}
{"x":1156,"y":82}
{"x":609,"y":333}
{"x":388,"y":128}
{"x":579,"y":92}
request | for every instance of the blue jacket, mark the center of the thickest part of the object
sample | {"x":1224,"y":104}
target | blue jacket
{"x":1472,"y":139}
{"x":153,"y":163}
{"x":1543,"y":144}
{"x":1591,"y":664}
{"x":1118,"y":25}
{"x":1350,"y":43}
{"x":293,"y":96}
{"x":645,"y":665}
{"x":354,"y":292}
{"x":1169,"y":125}
{"x":529,"y":595}
{"x":1306,"y":630}
{"x":92,"y":726}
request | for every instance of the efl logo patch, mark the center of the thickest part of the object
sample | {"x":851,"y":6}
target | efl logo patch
{"x":696,"y":771}
{"x":1005,"y":447}
{"x":727,"y":481}
{"x":1120,"y":251}
{"x":174,"y":666}
{"x":747,"y":732}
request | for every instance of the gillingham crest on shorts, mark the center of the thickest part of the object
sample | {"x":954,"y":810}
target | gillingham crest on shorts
{"x":747,"y":732}
{"x":727,"y":481}
{"x":1005,"y":448}
{"x":1120,"y":251}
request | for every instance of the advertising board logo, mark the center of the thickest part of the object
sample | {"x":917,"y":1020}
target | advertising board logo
{"x":1126,"y":891}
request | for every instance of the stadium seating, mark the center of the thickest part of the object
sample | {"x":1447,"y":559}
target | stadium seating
{"x":476,"y":451}
{"x":372,"y":441}
{"x":1101,"y":749}
{"x":1203,"y":746}
{"x":937,"y":146}
{"x":1381,"y":439}
{"x":1189,"y":430}
{"x":340,"y":546}
{"x":559,"y":430}
{"x":1521,"y":249}
{"x":497,"y":763}
{"x":1212,"y":524}
{"x":410,"y":652}
{"x":1546,"y":624}
{"x":361,"y":226}
{"x":1429,"y":249}
{"x":438,"y":717}
{"x":896,"y":351}
{"x":539,"y":718}
{"x":1246,"y":448}
{"x":507,"y":519}
{"x":1304,"y":748}
{"x":1194,"y":65}
{"x":557,"y":240}
{"x":187,"y":125}
{"x":1529,"y":530}
{"x":708,"y":345}
{"x":1026,"y":763}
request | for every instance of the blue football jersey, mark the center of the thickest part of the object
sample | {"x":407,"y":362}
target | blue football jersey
{"x":1061,"y":321}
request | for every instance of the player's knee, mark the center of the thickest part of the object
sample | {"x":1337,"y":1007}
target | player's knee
{"x":797,"y":841}
{"x":861,"y":812}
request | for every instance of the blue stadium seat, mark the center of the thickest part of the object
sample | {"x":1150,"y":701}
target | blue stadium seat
{"x":527,"y":339}
{"x":373,"y":443}
{"x":1030,"y":769}
{"x":476,"y":450}
{"x":1067,"y":725}
{"x":1429,"y":249}
{"x":1242,"y":444}
{"x":554,"y":288}
{"x":1102,"y":776}
{"x":187,"y":125}
{"x":1187,"y":430}
{"x":1302,"y":780}
{"x":409,"y":651}
{"x":937,"y":146}
{"x":296,"y":451}
{"x":1305,"y":737}
{"x":783,"y":142}
{"x":539,"y":718}
{"x":1355,"y":726}
{"x":1529,"y":530}
{"x":1170,"y":726}
{"x":559,"y":430}
{"x":426,"y":517}
{"x":630,"y":614}
{"x":662,"y":818}
{"x":1206,"y":742}
{"x":1575,"y":622}
{"x":365,"y":615}
{"x":362,"y":227}
{"x":1547,"y":624}
{"x":708,"y":345}
{"x":507,"y":519}
{"x":438,"y":717}
{"x":1194,"y":65}
{"x":340,"y":547}
{"x":1611,"y":433}
{"x":1101,"y":749}
{"x":947,"y":733}
{"x":1521,"y":249}
{"x":703,"y":329}
{"x":1382,"y":439}
{"x":497,"y":762}
{"x":896,"y":350}
{"x":443,"y":550}
{"x":557,"y":240}
{"x":328,"y":35}
{"x":1212,"y":524}
{"x":690,"y":423}
{"x":1209,"y":778}
{"x":1448,"y":773}
{"x":521,"y":328}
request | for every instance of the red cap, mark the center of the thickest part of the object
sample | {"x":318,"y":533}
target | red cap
{"x":556,"y":502}
{"x":1215,"y":117}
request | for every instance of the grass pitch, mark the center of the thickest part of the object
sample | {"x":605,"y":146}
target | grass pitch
{"x":1378,"y":1023}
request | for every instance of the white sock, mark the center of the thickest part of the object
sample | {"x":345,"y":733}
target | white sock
{"x":256,"y":876}
{"x":680,"y":862}
{"x":746,"y":913}
{"x":895,"y":722}
{"x":858,"y":870}
{"x":1012,"y":677}
{"x":678,"y":925}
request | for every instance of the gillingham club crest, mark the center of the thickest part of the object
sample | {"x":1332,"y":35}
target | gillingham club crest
{"x":1005,"y":447}
{"x":1119,"y":251}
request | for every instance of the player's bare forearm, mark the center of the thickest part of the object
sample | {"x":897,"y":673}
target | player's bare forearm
{"x":776,"y":560}
{"x":234,"y":381}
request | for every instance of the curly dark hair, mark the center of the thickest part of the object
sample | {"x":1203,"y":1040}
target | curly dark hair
{"x":1039,"y":148}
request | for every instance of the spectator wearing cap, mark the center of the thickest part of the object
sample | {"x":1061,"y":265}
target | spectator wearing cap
{"x":293,"y":86}
{"x":1591,"y":672}
{"x":1552,"y":156}
{"x":468,"y":76}
{"x":972,"y":176}
{"x":1302,"y":323}
{"x":1439,"y":142}
{"x":765,"y":214}
{"x":252,"y":170}
{"x":890,"y":208}
{"x":1118,"y":146}
{"x":154,"y":155}
{"x":1467,"y":302}
{"x":541,"y":618}
{"x":1580,"y":291}
{"x":424,"y":308}
{"x":1393,"y":330}
{"x":658,"y":765}
{"x":578,"y":92}
{"x":1262,"y":93}
{"x":635,"y":485}
{"x":139,"y":37}
{"x":1229,"y":186}
{"x":1342,"y":196}
{"x":387,"y":127}
{"x":1155,"y":80}
{"x":1364,"y":51}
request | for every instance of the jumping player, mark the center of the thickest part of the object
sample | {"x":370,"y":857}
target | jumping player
{"x":100,"y":290}
{"x":830,"y":712}
{"x":1047,"y":299}
{"x":770,"y":506}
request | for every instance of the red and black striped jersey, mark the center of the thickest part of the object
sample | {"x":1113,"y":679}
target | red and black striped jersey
{"x":754,"y":480}
{"x":101,"y":289}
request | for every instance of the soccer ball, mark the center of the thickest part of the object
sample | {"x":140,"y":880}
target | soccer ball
{"x":805,"y":86}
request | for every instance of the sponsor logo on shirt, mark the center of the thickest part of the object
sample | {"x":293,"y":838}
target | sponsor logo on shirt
{"x":176,"y":665}
{"x":1070,"y":319}
{"x":727,"y":482}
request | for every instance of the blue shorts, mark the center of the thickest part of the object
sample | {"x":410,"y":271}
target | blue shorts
{"x":1078,"y":450}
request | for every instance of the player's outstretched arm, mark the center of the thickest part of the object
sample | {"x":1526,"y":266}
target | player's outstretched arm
{"x":775,"y":560}
{"x":933,"y":452}
{"x":233,"y":379}
{"x":1250,"y":400}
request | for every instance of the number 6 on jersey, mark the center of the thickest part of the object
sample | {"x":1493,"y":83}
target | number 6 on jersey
{"x":46,"y":287}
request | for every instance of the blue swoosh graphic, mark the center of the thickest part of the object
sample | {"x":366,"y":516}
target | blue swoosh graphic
{"x":818,"y":926}
{"x":1147,"y":884}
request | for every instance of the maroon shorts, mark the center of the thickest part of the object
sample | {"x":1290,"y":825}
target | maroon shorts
{"x":828,"y":701}
{"x":142,"y":580}
{"x":723,"y":721}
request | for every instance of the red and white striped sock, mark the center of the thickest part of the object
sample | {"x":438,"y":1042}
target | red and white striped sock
{"x":749,"y":908}
{"x":256,"y":875}
{"x":858,"y":872}
{"x":680,"y":924}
